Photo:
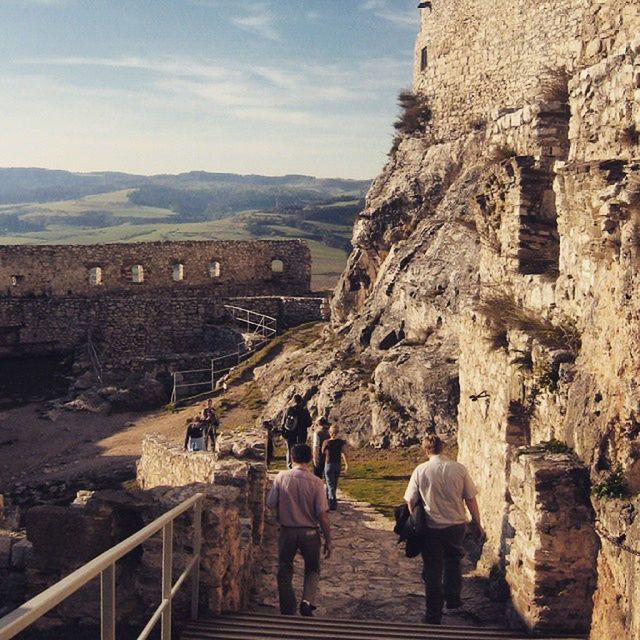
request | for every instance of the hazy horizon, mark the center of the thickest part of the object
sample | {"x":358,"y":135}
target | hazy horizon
{"x":270,"y":87}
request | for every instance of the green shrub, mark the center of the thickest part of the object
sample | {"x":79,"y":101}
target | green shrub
{"x":415,"y":116}
{"x":556,"y":446}
{"x":613,"y":486}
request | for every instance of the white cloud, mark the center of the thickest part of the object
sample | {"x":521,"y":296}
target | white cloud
{"x":259,"y":21}
{"x":381,"y":9}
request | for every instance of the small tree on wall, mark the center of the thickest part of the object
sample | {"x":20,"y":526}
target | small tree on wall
{"x":414,"y":118}
{"x":416,"y":113}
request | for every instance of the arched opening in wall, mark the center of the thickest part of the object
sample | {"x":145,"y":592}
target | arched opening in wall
{"x":214,"y":269}
{"x":177,"y":271}
{"x":16,"y":280}
{"x":95,"y":276}
{"x":137,"y":273}
{"x":277,"y":267}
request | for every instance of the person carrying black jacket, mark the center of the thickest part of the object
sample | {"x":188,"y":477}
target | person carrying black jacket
{"x":295,"y":423}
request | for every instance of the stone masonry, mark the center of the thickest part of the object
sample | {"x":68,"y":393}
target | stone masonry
{"x":234,"y":482}
{"x":228,"y":267}
{"x":143,"y":300}
{"x":495,"y":265}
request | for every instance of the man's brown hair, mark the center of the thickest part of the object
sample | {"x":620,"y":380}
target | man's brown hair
{"x":433,"y":444}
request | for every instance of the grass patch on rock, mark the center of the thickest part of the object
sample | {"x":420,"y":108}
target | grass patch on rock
{"x":380,"y":476}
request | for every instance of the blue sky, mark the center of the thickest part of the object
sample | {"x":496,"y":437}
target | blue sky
{"x":163,"y":86}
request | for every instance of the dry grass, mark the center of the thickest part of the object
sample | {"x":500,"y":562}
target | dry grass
{"x":504,"y":152}
{"x":554,"y":85}
{"x":629,"y":136}
{"x":504,"y":314}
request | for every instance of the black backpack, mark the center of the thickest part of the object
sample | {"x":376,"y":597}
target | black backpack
{"x":290,"y":423}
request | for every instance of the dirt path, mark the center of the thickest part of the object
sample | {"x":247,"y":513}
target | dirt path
{"x":34,"y":450}
{"x":369,"y":577}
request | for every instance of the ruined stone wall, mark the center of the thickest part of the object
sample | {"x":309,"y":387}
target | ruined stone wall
{"x":488,"y":56}
{"x":53,"y":298}
{"x":551,"y":573}
{"x":122,"y":326}
{"x":484,"y":56}
{"x":226,"y":267}
{"x":289,"y":312}
{"x":605,"y":107}
{"x":234,"y":482}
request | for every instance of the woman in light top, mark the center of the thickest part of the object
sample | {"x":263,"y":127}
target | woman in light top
{"x":333,"y":452}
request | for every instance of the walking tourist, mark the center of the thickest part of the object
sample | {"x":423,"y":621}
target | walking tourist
{"x":333,"y":453}
{"x":301,"y":504}
{"x":211,"y":424}
{"x":295,"y":423}
{"x":319,"y":436}
{"x":267,"y":425}
{"x":194,"y":438}
{"x":442,"y":487}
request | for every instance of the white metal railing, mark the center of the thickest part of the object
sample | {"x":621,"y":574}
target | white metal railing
{"x":93,"y":356}
{"x":260,"y":323}
{"x":194,"y":381}
{"x":104,"y":566}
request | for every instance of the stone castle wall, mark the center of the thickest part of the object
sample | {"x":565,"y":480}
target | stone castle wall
{"x":53,"y":299}
{"x":483,"y":57}
{"x":543,"y":383}
{"x":234,"y":482}
{"x":557,"y":235}
{"x":226,"y":267}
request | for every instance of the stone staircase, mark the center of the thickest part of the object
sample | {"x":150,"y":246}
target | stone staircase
{"x":252,"y":626}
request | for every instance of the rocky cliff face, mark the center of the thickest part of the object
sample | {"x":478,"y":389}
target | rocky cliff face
{"x":492,"y":296}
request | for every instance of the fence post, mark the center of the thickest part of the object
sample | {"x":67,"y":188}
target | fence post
{"x":167,"y":578}
{"x":197,"y":549}
{"x":108,"y":603}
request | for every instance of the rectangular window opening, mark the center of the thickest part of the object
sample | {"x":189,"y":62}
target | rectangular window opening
{"x":423,"y":59}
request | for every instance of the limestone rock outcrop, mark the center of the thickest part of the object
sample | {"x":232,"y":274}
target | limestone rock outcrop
{"x":492,"y":296}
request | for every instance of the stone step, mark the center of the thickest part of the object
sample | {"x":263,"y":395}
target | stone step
{"x":250,"y":626}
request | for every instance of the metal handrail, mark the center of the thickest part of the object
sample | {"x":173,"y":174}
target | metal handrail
{"x":93,"y":356}
{"x":262,"y":324}
{"x":104,"y":566}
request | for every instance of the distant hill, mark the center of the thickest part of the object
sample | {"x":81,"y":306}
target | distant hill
{"x":39,"y":205}
{"x":190,"y":193}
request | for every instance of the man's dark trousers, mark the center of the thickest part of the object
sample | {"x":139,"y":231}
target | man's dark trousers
{"x":292,"y":539}
{"x":442,"y":553}
{"x":300,"y":437}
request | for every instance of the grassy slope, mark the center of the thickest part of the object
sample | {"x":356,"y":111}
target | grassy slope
{"x":328,"y":262}
{"x":117,"y":203}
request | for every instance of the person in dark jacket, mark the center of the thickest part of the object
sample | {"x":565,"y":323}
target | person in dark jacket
{"x":211,"y":423}
{"x":295,"y":424}
{"x":194,"y":438}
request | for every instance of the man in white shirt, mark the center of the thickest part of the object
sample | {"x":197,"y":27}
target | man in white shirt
{"x":444,"y":487}
{"x":301,"y":502}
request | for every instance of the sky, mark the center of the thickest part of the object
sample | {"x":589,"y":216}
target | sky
{"x":166,"y":86}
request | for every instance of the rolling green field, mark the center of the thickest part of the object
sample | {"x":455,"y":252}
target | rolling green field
{"x":111,"y":217}
{"x":115,"y":203}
